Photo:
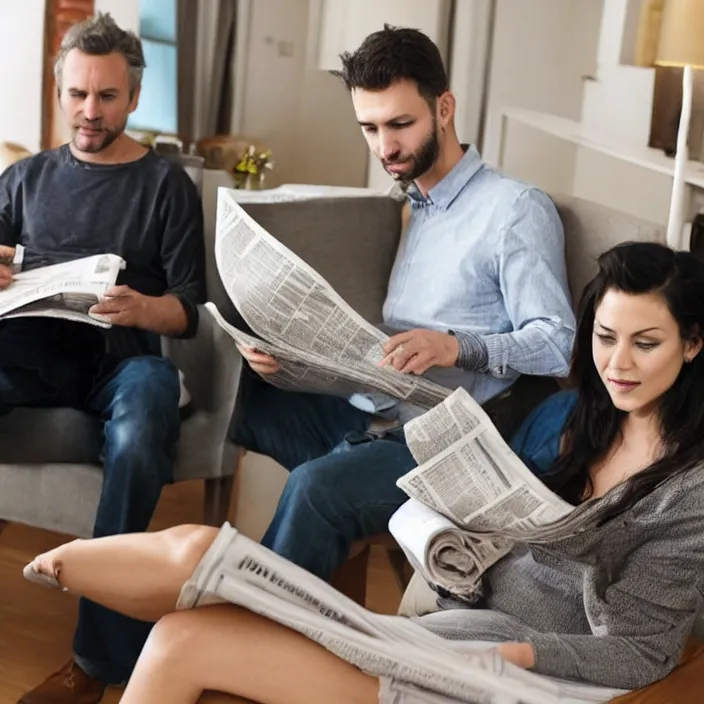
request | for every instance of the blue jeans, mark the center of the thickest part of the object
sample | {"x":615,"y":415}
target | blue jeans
{"x":342,"y":485}
{"x":138,"y":402}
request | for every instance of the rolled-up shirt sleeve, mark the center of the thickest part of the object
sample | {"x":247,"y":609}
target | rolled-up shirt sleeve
{"x":533,"y":281}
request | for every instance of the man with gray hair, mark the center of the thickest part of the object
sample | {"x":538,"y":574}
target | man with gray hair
{"x":104,"y":192}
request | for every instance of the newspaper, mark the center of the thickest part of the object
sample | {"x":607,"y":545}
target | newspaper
{"x":471,"y":498}
{"x":66,"y":290}
{"x":239,"y":571}
{"x":298,"y":191}
{"x":323,"y":345}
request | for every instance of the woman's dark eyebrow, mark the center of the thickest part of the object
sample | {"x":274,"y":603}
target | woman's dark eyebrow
{"x":639,"y":332}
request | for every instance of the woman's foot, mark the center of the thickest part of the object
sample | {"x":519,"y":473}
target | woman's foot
{"x":45,"y":569}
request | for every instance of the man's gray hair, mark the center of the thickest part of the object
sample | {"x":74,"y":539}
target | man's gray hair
{"x":98,"y":36}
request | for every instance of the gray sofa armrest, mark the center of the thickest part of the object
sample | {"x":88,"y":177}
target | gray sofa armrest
{"x":211,"y":366}
{"x":210,"y":363}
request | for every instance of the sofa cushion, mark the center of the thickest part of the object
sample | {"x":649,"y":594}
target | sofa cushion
{"x":356,"y":234}
{"x":47,"y":435}
{"x":590,"y":230}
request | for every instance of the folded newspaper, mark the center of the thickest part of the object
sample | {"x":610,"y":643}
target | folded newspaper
{"x":320,"y":342}
{"x":239,"y":571}
{"x":66,"y":290}
{"x":472,"y":499}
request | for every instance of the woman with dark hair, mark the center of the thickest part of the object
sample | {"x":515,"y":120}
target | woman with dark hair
{"x":612,"y":605}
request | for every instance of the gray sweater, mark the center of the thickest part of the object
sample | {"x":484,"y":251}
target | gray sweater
{"x":613,"y":605}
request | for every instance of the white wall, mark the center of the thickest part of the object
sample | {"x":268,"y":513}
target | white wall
{"x":541,"y":51}
{"x":303,"y":114}
{"x":619,"y":103}
{"x":21,"y":48}
{"x":620,"y":99}
{"x":124,"y":12}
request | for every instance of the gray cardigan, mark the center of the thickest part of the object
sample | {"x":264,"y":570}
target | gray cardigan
{"x":612,"y":605}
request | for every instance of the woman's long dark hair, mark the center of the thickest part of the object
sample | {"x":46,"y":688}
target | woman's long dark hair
{"x":594,"y":426}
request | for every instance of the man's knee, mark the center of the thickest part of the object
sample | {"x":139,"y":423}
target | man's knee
{"x":131,"y":437}
{"x":311,"y":489}
{"x":144,"y":409}
{"x":144,"y":421}
{"x":147,"y":385}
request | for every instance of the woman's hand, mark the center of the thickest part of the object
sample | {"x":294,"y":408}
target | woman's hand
{"x":520,"y":654}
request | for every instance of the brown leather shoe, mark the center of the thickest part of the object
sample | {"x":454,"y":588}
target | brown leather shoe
{"x":70,"y":685}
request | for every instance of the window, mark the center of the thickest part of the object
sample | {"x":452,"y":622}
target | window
{"x":158,"y":103}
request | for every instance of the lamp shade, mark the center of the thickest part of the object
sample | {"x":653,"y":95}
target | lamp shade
{"x":682,"y":34}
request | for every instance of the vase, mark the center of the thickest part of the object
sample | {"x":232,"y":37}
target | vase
{"x":254,"y":182}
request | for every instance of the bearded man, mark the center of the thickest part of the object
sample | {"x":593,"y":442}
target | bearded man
{"x":104,"y":192}
{"x":477,"y":297}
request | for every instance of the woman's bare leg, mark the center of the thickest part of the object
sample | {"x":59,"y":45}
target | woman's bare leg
{"x":139,"y":574}
{"x":228,"y":649}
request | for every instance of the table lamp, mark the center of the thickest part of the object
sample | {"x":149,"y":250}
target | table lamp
{"x":681,"y":44}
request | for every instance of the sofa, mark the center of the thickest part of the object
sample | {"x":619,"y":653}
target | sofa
{"x":352,"y":243}
{"x":50,"y":474}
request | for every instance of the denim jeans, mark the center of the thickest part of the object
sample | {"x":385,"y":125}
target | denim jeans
{"x":342,"y":483}
{"x":137,"y":400}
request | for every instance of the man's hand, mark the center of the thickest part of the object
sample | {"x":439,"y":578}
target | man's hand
{"x":416,"y":351}
{"x":122,"y":305}
{"x":7,"y":254}
{"x":261,"y":363}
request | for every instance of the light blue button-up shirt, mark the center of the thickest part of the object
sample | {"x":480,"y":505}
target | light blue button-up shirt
{"x":484,"y":253}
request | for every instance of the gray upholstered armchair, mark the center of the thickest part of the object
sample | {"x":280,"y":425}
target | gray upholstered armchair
{"x":50,"y":470}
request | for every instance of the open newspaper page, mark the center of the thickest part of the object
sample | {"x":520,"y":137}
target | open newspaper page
{"x":288,"y":304}
{"x":301,"y":371}
{"x":66,"y":290}
{"x":468,"y":473}
{"x":289,"y":192}
{"x":472,"y":497}
{"x":240,"y":571}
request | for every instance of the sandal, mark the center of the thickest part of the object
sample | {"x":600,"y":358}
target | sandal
{"x":45,"y":580}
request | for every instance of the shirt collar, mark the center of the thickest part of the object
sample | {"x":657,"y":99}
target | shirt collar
{"x":444,"y":193}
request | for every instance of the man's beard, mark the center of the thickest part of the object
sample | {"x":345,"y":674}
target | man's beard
{"x":93,"y":147}
{"x":421,"y":161}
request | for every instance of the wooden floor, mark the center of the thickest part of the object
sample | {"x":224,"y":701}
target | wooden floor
{"x":36,"y":624}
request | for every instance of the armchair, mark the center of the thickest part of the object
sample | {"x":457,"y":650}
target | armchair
{"x":50,"y":469}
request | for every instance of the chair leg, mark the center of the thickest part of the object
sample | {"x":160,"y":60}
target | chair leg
{"x":221,"y":494}
{"x":216,"y":500}
{"x":400,"y":567}
{"x":350,"y":577}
